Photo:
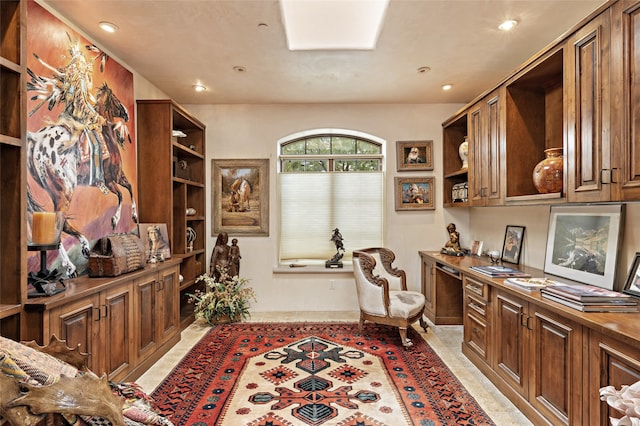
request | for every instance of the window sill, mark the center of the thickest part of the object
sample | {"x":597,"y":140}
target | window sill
{"x":312,"y":269}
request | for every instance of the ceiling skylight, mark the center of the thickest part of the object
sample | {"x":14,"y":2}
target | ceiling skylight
{"x":332,"y":24}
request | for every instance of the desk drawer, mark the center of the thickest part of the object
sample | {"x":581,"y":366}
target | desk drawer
{"x":476,"y":305}
{"x":477,"y":288}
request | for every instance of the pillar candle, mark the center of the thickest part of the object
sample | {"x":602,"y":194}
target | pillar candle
{"x":43,"y":228}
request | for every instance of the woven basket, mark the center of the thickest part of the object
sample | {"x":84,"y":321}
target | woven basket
{"x":116,"y":254}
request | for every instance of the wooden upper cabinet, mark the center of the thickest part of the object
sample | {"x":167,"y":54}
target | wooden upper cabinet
{"x":486,"y":133}
{"x":588,"y":120}
{"x":625,"y":109}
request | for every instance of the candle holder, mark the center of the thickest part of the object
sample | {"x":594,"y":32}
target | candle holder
{"x":45,"y":235}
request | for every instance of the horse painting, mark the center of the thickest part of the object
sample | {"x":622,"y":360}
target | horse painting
{"x":58,"y":163}
{"x":240,"y":194}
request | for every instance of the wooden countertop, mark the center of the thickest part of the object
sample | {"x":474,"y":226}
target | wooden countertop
{"x":624,"y":326}
{"x":82,"y":286}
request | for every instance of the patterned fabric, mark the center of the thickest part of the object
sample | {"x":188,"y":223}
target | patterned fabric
{"x":315,"y":374}
{"x":39,"y":367}
{"x":29,"y":365}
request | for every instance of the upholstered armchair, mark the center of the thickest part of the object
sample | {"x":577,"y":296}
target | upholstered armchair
{"x":382,"y":292}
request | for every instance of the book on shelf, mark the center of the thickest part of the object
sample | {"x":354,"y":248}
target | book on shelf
{"x":587,"y":293}
{"x":497,"y":271}
{"x":531,"y":284}
{"x":619,"y":306}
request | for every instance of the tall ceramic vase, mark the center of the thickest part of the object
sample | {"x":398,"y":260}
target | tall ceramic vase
{"x":547,"y":175}
{"x":463,"y":151}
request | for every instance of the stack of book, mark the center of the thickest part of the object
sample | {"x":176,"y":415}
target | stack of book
{"x":498,"y":271}
{"x":531,"y":284}
{"x":588,"y":298}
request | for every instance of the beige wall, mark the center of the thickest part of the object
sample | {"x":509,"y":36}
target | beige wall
{"x":252,"y":131}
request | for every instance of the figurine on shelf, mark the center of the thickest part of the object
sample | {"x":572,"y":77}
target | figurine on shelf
{"x":452,"y":247}
{"x":234,"y":258}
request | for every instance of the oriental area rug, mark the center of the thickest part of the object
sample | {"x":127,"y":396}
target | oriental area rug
{"x":297,"y":374}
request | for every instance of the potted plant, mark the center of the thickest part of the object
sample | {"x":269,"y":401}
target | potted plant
{"x":223,"y":301}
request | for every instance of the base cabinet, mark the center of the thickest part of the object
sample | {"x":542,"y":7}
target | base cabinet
{"x":539,"y":355}
{"x":125,"y":323}
{"x":611,"y":363}
{"x":442,"y":288}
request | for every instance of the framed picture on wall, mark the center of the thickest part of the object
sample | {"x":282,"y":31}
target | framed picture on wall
{"x":512,"y":245}
{"x":583,"y":243}
{"x":240,"y":197}
{"x":415,"y":193}
{"x":156,"y":241}
{"x":414,"y":155}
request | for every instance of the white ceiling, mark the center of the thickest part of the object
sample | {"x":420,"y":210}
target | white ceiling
{"x":177,"y":43}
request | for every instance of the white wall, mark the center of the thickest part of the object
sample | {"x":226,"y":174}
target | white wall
{"x":252,"y":131}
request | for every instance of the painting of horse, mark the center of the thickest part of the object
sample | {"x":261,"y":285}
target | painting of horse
{"x":80,"y":153}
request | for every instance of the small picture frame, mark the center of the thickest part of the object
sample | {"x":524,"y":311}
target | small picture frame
{"x":632,"y":286}
{"x":476,"y":248}
{"x":414,"y":155}
{"x":415,"y":193}
{"x":156,"y":241}
{"x":512,"y":245}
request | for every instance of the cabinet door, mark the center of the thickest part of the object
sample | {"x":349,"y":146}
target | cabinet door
{"x":146,"y":313}
{"x":428,"y":275}
{"x":168,"y":296}
{"x":117,"y":313}
{"x":511,"y":341}
{"x":478,"y":155}
{"x":556,"y":359}
{"x":588,"y":119}
{"x":79,"y":324}
{"x":486,"y":122}
{"x":629,"y":176}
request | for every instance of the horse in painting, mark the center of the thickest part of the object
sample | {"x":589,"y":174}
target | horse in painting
{"x":58,"y":163}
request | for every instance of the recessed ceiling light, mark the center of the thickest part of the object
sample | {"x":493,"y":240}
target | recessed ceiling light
{"x":346,"y":25}
{"x":108,"y":27}
{"x":447,"y":86}
{"x":199,"y":88}
{"x":423,"y":70}
{"x":508,"y":25}
{"x":240,"y":69}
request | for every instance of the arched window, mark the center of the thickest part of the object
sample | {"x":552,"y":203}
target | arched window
{"x":327,"y":180}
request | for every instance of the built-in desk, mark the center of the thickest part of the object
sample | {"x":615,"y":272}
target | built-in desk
{"x":548,"y":359}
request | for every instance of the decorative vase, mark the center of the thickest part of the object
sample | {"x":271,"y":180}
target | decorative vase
{"x":547,"y":175}
{"x":463,"y":151}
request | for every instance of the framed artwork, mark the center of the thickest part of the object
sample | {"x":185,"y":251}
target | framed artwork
{"x":156,"y":241}
{"x":414,"y":155}
{"x":240,"y":197}
{"x":512,"y":245}
{"x":582,"y":243}
{"x":415,"y":193}
{"x":476,"y":248}
{"x":632,"y":286}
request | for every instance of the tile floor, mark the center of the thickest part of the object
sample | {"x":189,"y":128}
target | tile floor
{"x":445,"y":340}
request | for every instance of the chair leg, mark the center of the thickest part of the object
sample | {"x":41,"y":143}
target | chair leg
{"x":403,"y":337}
{"x":423,"y":323}
{"x":361,"y":323}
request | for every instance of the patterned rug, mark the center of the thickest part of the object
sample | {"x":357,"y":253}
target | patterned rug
{"x":286,"y":374}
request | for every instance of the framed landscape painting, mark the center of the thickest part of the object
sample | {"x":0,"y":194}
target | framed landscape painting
{"x":240,"y":197}
{"x":582,"y":243}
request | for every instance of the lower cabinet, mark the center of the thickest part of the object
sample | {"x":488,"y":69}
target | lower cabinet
{"x":611,"y":363}
{"x":539,"y":355}
{"x":442,"y":289}
{"x":125,"y":323}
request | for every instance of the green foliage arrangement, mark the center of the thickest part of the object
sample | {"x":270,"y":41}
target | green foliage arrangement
{"x":226,"y":300}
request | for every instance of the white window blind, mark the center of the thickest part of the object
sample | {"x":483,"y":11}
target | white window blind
{"x":313,"y":204}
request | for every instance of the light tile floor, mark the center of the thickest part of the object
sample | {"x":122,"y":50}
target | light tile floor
{"x":445,"y":340}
